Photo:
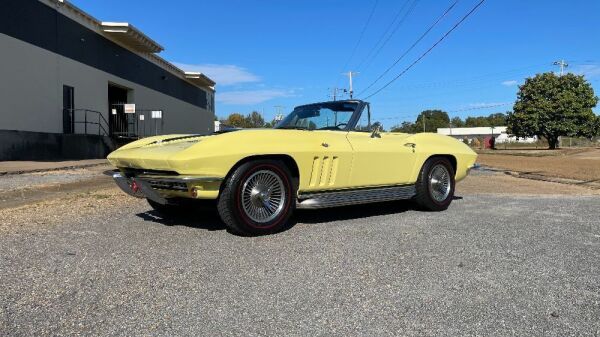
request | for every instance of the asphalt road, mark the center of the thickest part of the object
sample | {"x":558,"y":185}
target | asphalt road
{"x":489,"y":266}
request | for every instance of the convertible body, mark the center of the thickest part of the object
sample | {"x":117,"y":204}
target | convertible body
{"x":326,"y":167}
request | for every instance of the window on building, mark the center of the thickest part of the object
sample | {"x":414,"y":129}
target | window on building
{"x":210,"y":101}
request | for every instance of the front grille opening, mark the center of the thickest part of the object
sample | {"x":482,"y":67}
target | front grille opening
{"x":133,"y":172}
{"x":168,"y":185}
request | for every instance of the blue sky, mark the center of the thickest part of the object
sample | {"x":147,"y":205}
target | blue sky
{"x":271,"y":53}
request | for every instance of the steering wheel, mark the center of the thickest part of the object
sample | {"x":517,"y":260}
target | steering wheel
{"x":335,"y":127}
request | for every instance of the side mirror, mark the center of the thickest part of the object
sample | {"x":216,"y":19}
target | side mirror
{"x":375,"y":130}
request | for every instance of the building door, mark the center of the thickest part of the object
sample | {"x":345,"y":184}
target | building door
{"x":68,"y":109}
{"x":118,"y":121}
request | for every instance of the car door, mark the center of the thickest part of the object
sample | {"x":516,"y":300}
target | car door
{"x":379,"y":158}
{"x":330,"y":161}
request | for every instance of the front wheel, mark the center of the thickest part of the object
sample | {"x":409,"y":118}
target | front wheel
{"x":258,"y":198}
{"x":435,"y":186}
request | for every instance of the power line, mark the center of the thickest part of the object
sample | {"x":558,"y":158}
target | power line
{"x":408,"y":12}
{"x":428,"y":50}
{"x":412,"y":46}
{"x":385,"y":33}
{"x":360,"y":37}
{"x":362,"y":33}
{"x":406,"y":115}
{"x":487,"y":106}
{"x":474,"y":79}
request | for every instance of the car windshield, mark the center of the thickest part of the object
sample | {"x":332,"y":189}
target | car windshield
{"x":320,"y":116}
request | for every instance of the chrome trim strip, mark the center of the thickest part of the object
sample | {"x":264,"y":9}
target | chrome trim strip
{"x":179,"y":179}
{"x":354,"y":197}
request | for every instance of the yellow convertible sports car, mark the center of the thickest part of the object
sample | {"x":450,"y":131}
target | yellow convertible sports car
{"x":321,"y":155}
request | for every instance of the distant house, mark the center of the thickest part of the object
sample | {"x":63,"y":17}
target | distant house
{"x":498,"y":132}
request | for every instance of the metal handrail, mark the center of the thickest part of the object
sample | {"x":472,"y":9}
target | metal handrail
{"x":102,"y":128}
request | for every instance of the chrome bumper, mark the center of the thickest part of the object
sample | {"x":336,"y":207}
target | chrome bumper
{"x":144,"y":186}
{"x":138,"y":188}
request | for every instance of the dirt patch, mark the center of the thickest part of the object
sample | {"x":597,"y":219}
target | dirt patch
{"x":55,"y":189}
{"x":44,"y":214}
{"x":583,"y":165}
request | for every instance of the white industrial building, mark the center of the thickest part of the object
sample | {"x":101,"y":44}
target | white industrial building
{"x":74,"y":86}
{"x":497,"y":132}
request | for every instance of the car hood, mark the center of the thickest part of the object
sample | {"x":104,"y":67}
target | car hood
{"x":159,"y":152}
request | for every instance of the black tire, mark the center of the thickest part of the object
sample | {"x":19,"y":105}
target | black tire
{"x":168,"y":209}
{"x":429,"y":197}
{"x":238,"y":215}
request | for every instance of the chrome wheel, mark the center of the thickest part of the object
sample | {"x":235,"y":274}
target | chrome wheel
{"x":439,"y":183}
{"x":263,"y":196}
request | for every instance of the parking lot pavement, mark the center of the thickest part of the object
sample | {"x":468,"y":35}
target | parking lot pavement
{"x":489,"y":265}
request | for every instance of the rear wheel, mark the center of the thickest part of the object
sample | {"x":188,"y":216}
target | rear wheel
{"x":258,"y":198}
{"x":435,"y":186}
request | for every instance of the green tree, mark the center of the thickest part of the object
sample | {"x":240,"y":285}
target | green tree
{"x":236,"y":120}
{"x":434,"y":119}
{"x":591,"y":129}
{"x":551,"y":106}
{"x":406,"y":127}
{"x":497,"y":119}
{"x":255,"y":120}
{"x":457,"y":122}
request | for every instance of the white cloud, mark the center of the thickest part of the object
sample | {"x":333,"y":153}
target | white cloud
{"x":587,"y":70}
{"x":249,"y":97}
{"x":223,"y":74}
{"x":510,"y":83}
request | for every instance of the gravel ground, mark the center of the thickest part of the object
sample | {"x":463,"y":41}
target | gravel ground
{"x":14,"y":182}
{"x":493,"y":264}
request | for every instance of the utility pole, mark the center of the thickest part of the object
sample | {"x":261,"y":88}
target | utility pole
{"x":350,"y":74}
{"x":278,"y":115}
{"x":562,"y":64}
{"x":334,"y":92}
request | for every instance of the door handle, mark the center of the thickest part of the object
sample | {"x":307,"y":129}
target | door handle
{"x":413,"y":145}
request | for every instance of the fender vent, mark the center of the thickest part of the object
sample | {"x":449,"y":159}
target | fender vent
{"x":324,"y":171}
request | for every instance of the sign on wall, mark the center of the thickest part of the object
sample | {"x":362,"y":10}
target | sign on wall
{"x":156,"y":113}
{"x":129,"y":108}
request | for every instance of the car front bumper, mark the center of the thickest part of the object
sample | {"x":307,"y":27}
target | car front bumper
{"x":160,"y":188}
